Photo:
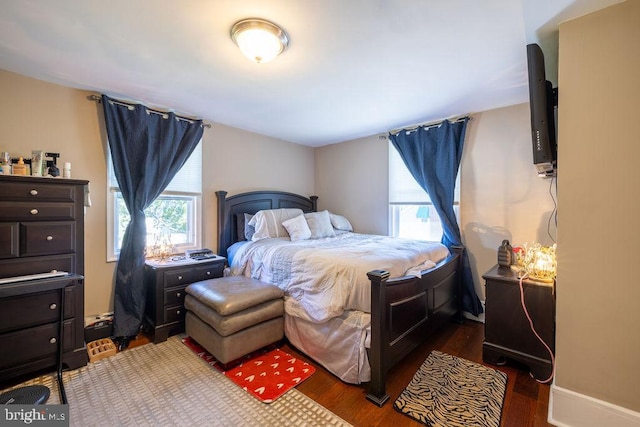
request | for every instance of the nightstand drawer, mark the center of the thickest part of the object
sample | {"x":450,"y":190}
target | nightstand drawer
{"x":208,"y":272}
{"x":178,"y":277}
{"x":174,"y":296}
{"x":47,"y":238}
{"x":174,"y":314}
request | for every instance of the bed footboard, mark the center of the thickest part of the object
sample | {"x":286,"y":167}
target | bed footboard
{"x":404,"y":312}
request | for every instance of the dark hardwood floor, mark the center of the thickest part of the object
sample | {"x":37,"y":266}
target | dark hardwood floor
{"x":525,"y":404}
{"x":526,"y":400}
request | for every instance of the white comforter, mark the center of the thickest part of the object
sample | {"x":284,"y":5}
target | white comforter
{"x":324,"y":277}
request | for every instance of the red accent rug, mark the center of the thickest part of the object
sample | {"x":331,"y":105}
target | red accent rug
{"x":266,"y":375}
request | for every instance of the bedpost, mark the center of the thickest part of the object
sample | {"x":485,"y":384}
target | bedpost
{"x":314,"y":203}
{"x":222,"y":238}
{"x":379,"y":340}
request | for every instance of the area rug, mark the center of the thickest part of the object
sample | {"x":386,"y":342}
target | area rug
{"x":167,"y":385}
{"x":266,"y":375}
{"x":450,"y":391}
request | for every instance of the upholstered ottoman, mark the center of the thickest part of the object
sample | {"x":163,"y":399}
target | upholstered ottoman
{"x":233,"y":316}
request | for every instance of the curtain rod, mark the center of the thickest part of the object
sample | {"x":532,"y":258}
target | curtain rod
{"x":98,"y":99}
{"x":424,"y":125}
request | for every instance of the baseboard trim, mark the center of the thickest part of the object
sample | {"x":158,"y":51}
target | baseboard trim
{"x":570,"y":409}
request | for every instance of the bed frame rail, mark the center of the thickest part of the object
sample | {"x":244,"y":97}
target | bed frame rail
{"x":409,"y":310}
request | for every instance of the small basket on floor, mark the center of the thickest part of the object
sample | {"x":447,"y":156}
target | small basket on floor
{"x":99,"y":349}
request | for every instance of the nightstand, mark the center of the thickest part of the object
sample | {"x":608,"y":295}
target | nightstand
{"x":165,"y":282}
{"x":507,"y":332}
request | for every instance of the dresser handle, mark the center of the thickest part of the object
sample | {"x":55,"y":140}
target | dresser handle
{"x":53,"y":340}
{"x":49,"y":238}
{"x":34,"y":211}
{"x":179,"y":277}
{"x":53,"y":306}
{"x":208,"y":273}
{"x":178,"y":294}
{"x":33,"y":192}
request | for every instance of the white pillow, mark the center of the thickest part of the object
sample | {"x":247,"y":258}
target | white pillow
{"x":268,"y":223}
{"x":340,"y":223}
{"x":320,"y":224}
{"x":297,"y":228}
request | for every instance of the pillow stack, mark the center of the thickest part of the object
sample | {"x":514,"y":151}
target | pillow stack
{"x":292,"y":223}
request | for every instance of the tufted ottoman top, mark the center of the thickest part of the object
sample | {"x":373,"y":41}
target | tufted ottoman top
{"x":229,"y":295}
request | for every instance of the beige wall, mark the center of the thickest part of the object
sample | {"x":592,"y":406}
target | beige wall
{"x":502,"y":196}
{"x":39,"y":115}
{"x":598,"y":342}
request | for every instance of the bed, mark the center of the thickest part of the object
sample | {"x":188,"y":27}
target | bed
{"x":378,"y":324}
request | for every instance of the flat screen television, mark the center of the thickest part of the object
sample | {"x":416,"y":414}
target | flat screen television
{"x":543,"y":100}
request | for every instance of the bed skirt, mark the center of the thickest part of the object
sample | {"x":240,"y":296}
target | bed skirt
{"x":339,"y":345}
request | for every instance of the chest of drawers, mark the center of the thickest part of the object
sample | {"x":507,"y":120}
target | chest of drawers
{"x":165,"y":283}
{"x":41,"y":230}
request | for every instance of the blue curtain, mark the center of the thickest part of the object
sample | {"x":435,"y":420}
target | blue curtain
{"x":147,"y":150}
{"x":432,"y":154}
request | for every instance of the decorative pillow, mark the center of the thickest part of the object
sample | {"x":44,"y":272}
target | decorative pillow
{"x":320,"y":224}
{"x":249,"y":230}
{"x":240,"y":227}
{"x":297,"y":228}
{"x":340,"y":223}
{"x":268,"y":223}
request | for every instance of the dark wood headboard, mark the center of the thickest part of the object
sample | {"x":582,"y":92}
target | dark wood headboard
{"x":252,"y":202}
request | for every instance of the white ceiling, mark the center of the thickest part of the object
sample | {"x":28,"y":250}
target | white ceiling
{"x":353,"y":68}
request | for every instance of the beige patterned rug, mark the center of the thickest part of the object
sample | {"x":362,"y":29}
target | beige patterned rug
{"x":168,"y":385}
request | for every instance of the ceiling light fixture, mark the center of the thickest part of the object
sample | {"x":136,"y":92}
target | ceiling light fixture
{"x":259,"y":40}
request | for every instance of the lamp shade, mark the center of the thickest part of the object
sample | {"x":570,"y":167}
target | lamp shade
{"x":259,"y":40}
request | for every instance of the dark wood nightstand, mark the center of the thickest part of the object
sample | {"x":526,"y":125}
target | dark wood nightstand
{"x":507,"y":332}
{"x":165,"y":283}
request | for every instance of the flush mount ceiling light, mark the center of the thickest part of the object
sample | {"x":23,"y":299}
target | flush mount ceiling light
{"x":259,"y":40}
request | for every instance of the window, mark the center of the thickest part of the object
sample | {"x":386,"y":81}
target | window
{"x":411,"y":212}
{"x":174,"y":215}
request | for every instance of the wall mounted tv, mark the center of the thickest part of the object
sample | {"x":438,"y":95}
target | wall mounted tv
{"x":543,"y":100}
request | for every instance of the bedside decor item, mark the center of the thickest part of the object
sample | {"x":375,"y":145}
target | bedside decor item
{"x":505,"y":254}
{"x":539,"y":262}
{"x":259,"y":40}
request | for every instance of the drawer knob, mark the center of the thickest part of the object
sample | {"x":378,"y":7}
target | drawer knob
{"x":34,"y":211}
{"x":208,"y":273}
{"x":177,"y":311}
{"x":178,"y":294}
{"x":179,"y":277}
{"x":53,"y":340}
{"x":53,"y":306}
{"x":49,"y":238}
{"x":33,"y":192}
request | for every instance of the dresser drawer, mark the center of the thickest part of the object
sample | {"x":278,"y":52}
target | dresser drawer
{"x":20,"y":191}
{"x":178,"y":277}
{"x":9,"y":240}
{"x":43,"y":264}
{"x":24,"y":211}
{"x":47,"y":238}
{"x":174,"y":314}
{"x":174,"y":296}
{"x":34,"y":343}
{"x":33,"y":309}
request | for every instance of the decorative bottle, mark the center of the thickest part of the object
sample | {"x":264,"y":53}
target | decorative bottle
{"x":505,"y":252}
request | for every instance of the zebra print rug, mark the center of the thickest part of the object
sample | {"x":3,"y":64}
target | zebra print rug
{"x":450,"y":391}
